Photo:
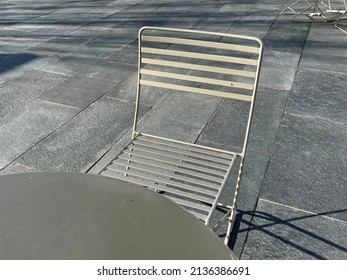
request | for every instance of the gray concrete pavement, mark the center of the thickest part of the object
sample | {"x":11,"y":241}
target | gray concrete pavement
{"x":67,"y":93}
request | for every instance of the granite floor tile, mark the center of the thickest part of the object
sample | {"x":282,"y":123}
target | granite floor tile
{"x":273,"y":59}
{"x":258,"y":18}
{"x":70,"y":64}
{"x":280,"y":232}
{"x":60,"y":45}
{"x":14,"y":64}
{"x":284,"y":20}
{"x":241,"y":28}
{"x":127,"y":54}
{"x":319,"y":94}
{"x":25,"y":88}
{"x":325,"y":33}
{"x":16,"y":169}
{"x":306,"y":170}
{"x":95,"y":49}
{"x":285,"y":39}
{"x":280,"y":78}
{"x":27,"y":126}
{"x":179,"y":116}
{"x":324,"y":62}
{"x":228,"y":123}
{"x":325,"y":47}
{"x":17,"y":45}
{"x":98,"y":127}
{"x":126,"y":90}
{"x":110,"y":70}
{"x":78,"y":91}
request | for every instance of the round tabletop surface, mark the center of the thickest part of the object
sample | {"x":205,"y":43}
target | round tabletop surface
{"x":82,"y":216}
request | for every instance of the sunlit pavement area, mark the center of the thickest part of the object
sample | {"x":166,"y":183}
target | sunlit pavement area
{"x":67,"y":95}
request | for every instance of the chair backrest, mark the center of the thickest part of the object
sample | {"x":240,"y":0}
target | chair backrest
{"x":207,"y":63}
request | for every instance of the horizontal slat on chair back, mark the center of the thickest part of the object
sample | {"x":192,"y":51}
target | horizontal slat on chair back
{"x":200,"y":62}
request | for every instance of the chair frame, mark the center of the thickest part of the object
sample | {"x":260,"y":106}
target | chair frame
{"x":195,"y":153}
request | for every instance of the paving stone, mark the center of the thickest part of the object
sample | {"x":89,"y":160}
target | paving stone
{"x":308,"y":166}
{"x":16,"y":169}
{"x":17,"y":45}
{"x":127,"y":54}
{"x":240,"y":28}
{"x":69,"y":64}
{"x":110,"y":70}
{"x":285,"y":39}
{"x":14,"y":65}
{"x":25,"y":88}
{"x":98,"y":127}
{"x":280,"y":78}
{"x":28,"y":125}
{"x":126,"y":90}
{"x":325,"y":47}
{"x":275,"y":59}
{"x":90,"y":32}
{"x":319,"y":94}
{"x":237,"y":8}
{"x":258,"y":18}
{"x":78,"y":91}
{"x":179,"y":116}
{"x":325,"y":33}
{"x":94,"y":50}
{"x":225,"y":129}
{"x":281,"y":232}
{"x":59,"y":46}
{"x":186,"y":19}
{"x":285,"y":21}
{"x":326,"y":62}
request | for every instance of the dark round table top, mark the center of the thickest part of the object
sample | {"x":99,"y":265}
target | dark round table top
{"x":81,"y":216}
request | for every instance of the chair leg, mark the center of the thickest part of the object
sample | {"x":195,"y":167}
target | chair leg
{"x":316,"y":12}
{"x":231,"y":223}
{"x":292,"y":5}
{"x":340,"y":18}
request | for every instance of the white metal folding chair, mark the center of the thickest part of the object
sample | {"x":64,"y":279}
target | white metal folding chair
{"x":191,"y":175}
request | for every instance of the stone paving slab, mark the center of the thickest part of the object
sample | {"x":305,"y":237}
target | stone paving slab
{"x":321,"y":61}
{"x":59,"y":46}
{"x":126,"y":90}
{"x":285,"y":39}
{"x":293,"y":234}
{"x":70,"y":64}
{"x":25,"y":88}
{"x":179,"y":116}
{"x":306,"y":171}
{"x":78,"y":91}
{"x":29,"y":125}
{"x":273,"y":59}
{"x":98,"y":128}
{"x":319,"y":94}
